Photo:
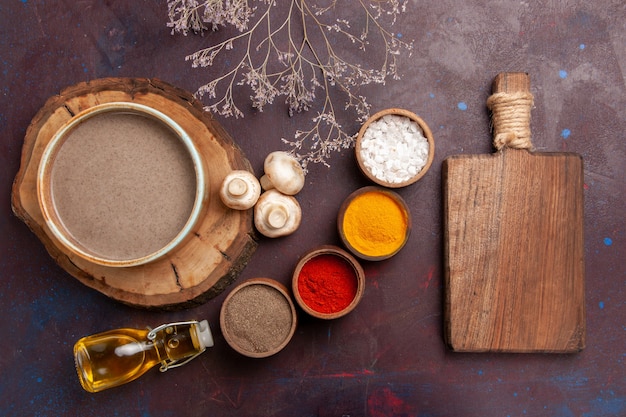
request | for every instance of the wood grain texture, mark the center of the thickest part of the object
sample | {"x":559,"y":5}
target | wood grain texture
{"x":222,"y":242}
{"x":514,"y":254}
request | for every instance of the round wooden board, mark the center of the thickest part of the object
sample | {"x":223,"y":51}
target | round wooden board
{"x":208,"y":262}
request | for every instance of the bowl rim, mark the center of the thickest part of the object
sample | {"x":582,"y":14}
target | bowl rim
{"x":363,"y":190}
{"x":425,"y":130}
{"x":350,"y":260}
{"x":269,"y":282}
{"x":46,"y":164}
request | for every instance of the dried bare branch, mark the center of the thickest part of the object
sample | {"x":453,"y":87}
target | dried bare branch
{"x":292,"y":55}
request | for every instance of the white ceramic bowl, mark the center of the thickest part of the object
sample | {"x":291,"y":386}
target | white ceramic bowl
{"x":121,"y":184}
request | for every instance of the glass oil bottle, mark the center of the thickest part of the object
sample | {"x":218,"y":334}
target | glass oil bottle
{"x":115,"y":357}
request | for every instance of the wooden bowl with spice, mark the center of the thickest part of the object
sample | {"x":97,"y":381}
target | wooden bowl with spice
{"x":394,"y":148}
{"x":328,"y":282}
{"x":374,"y":223}
{"x":258,"y":317}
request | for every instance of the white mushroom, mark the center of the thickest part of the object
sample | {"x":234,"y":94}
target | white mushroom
{"x":240,"y":190}
{"x":277,"y":214}
{"x":282,"y":172}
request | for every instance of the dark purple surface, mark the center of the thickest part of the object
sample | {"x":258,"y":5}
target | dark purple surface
{"x":387,"y":358}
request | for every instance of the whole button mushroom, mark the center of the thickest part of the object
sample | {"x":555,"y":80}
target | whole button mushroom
{"x":240,"y":190}
{"x":277,"y":214}
{"x":282,"y":172}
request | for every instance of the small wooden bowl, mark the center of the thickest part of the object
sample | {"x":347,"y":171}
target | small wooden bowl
{"x":426,"y":133}
{"x":353,"y":268}
{"x":349,"y":222}
{"x":258,"y":318}
{"x":101,"y":204}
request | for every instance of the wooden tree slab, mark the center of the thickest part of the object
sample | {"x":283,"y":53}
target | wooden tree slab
{"x":208,"y":262}
{"x":514,"y":253}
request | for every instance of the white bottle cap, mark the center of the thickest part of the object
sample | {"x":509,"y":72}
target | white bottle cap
{"x":204,"y":334}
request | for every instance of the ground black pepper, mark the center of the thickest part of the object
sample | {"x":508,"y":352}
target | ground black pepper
{"x":258,"y":318}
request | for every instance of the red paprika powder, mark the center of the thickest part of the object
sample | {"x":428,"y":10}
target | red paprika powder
{"x":327,"y":283}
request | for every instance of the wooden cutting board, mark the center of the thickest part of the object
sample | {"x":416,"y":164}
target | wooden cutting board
{"x":513,"y":232}
{"x":195,"y":272}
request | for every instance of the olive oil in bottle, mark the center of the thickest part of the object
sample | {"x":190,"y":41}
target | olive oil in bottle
{"x":115,"y":357}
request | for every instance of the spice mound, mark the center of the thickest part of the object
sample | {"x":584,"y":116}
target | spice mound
{"x":393,"y":149}
{"x":257,"y":319}
{"x":327,"y":284}
{"x":375,"y":223}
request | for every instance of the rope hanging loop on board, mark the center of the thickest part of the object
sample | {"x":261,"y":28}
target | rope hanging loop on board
{"x":511,"y":119}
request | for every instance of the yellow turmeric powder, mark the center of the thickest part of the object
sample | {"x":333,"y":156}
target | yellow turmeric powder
{"x":375,"y":224}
